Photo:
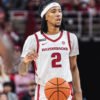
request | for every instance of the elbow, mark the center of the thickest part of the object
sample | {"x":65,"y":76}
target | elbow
{"x":73,"y":67}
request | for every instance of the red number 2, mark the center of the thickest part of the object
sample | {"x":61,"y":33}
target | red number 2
{"x":56,"y":60}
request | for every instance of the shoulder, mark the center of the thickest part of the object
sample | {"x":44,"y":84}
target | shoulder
{"x":32,"y":37}
{"x":72,"y":35}
{"x":38,"y":33}
{"x":73,"y":38}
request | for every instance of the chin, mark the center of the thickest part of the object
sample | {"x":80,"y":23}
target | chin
{"x":58,"y":25}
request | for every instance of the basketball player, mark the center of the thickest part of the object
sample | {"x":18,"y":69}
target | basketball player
{"x":54,"y":51}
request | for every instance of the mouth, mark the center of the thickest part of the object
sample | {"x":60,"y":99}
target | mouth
{"x":58,"y":19}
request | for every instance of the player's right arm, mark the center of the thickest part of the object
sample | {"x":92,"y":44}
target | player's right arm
{"x":28,"y":54}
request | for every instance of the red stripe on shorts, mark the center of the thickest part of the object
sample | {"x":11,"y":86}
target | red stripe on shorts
{"x":71,"y":86}
{"x":38,"y":92}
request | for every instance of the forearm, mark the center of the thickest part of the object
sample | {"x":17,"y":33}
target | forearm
{"x":76,"y":80}
{"x":25,"y":61}
{"x":23,"y":68}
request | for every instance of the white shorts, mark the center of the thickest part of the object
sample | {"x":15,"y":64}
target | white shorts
{"x":39,"y":93}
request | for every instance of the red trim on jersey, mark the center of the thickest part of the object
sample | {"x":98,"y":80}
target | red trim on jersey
{"x":69,"y":42}
{"x":38,"y":92}
{"x":35,"y":67}
{"x":52,"y":39}
{"x":37,"y":42}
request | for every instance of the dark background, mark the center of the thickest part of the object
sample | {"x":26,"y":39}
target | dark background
{"x":88,"y":63}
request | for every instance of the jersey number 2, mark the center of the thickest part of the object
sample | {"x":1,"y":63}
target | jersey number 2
{"x":56,"y":60}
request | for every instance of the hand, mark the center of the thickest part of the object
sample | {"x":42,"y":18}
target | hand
{"x":30,"y":57}
{"x":77,"y":96}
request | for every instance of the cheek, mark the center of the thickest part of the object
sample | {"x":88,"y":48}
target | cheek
{"x":52,"y":20}
{"x":61,"y":16}
{"x":50,"y":17}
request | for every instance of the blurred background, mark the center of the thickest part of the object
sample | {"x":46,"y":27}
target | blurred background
{"x":19,"y":19}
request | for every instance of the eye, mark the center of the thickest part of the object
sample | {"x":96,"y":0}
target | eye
{"x":53,"y":11}
{"x":60,"y":10}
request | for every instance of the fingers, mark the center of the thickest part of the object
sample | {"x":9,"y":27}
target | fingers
{"x":32,"y":56}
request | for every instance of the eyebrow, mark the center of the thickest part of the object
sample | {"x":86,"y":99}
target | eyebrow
{"x":54,"y":9}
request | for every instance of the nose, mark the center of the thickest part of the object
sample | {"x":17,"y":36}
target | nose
{"x":58,"y":14}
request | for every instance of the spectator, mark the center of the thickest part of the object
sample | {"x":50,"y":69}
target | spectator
{"x":19,"y":4}
{"x":66,"y":5}
{"x":92,"y":9}
{"x":2,"y":20}
{"x":31,"y":23}
{"x":6,"y":42}
{"x":87,"y":6}
{"x":4,"y":55}
{"x":1,"y":89}
{"x":8,"y":90}
{"x":11,"y":34}
{"x":29,"y":95}
{"x":21,"y":83}
{"x":6,"y":4}
{"x":17,"y":52}
{"x":3,"y":76}
{"x":84,"y":5}
{"x":69,"y":5}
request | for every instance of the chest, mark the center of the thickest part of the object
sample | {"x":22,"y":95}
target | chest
{"x":48,"y":46}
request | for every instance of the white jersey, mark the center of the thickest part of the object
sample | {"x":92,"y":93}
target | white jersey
{"x":53,"y":55}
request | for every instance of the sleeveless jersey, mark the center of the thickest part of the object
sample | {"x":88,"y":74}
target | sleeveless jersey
{"x":53,"y":58}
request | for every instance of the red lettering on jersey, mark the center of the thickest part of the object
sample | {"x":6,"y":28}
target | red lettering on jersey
{"x":56,"y":60}
{"x":55,"y":48}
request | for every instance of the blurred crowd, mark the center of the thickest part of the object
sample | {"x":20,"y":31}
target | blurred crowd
{"x":12,"y":84}
{"x":69,"y":4}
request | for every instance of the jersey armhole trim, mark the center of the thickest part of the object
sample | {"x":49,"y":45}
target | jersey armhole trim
{"x":69,"y":42}
{"x":37,"y":50}
{"x":37,"y":41}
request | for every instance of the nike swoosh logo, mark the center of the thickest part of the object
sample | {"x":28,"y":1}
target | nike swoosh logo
{"x":44,"y":43}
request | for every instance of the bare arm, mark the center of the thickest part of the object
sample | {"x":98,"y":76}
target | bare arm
{"x":23,"y":68}
{"x":76,"y":78}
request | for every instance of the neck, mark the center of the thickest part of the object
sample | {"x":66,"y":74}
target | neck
{"x":53,"y":30}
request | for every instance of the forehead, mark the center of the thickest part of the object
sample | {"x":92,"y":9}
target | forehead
{"x":55,"y":8}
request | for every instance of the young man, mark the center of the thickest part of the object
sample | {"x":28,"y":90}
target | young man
{"x":54,"y":51}
{"x":8,"y":91}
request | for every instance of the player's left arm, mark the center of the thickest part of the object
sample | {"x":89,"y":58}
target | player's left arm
{"x":74,"y":51}
{"x":76,"y":78}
